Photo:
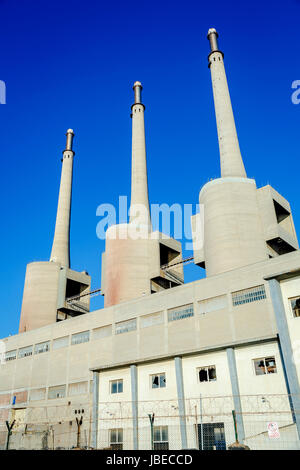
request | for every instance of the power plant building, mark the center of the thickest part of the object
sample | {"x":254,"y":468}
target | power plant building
{"x":184,"y":355}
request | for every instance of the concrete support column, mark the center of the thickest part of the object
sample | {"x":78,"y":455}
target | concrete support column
{"x":286,"y":350}
{"x":134,"y":401}
{"x":236,"y":393}
{"x":181,"y":401}
{"x":95,"y":410}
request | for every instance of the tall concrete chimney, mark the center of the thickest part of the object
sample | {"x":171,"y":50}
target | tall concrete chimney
{"x":61,"y":244}
{"x":232,"y":230}
{"x":139,"y":206}
{"x":131,"y":263}
{"x":230,"y":154}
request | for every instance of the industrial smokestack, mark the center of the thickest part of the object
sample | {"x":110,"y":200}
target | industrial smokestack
{"x":61,"y":244}
{"x":230,"y":155}
{"x":137,"y":87}
{"x":212,"y":36}
{"x":139,"y":206}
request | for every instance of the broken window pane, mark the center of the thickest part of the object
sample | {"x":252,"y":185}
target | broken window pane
{"x":212,"y":373}
{"x":162,"y":381}
{"x":271,"y":365}
{"x":158,"y":381}
{"x":207,"y":374}
{"x":155,"y":381}
{"x":265,"y":365}
{"x":295,"y":304}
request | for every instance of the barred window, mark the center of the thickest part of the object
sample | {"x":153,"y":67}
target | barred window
{"x":116,"y":439}
{"x":207,"y":374}
{"x":160,"y":438}
{"x":42,"y":347}
{"x":295,"y":304}
{"x":82,"y":337}
{"x":265,"y":365}
{"x":248,"y":295}
{"x":25,"y":352}
{"x":116,"y":386}
{"x":60,"y":343}
{"x":78,"y":388}
{"x":10,"y":355}
{"x":179,"y":313}
{"x":102,"y":332}
{"x":125,"y":326}
{"x":57,"y":392}
{"x":213,"y":304}
{"x":37,"y":394}
{"x":158,"y":380}
{"x":152,"y":319}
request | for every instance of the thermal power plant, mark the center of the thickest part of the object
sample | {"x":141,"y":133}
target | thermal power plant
{"x":165,"y":364}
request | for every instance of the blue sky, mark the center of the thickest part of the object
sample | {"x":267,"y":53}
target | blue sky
{"x":72,"y":64}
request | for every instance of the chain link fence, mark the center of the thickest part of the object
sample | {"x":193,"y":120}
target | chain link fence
{"x":266,"y":422}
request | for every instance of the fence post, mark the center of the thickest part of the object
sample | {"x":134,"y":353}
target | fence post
{"x":235,"y":392}
{"x":95,"y":410}
{"x":151,"y":419}
{"x":9,"y":428}
{"x":181,"y":403}
{"x":201,"y":423}
{"x":134,"y":401}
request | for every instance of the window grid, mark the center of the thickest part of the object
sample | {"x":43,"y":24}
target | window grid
{"x":125,"y":326}
{"x":10,"y":355}
{"x":82,"y":337}
{"x":160,"y":438}
{"x":181,"y":313}
{"x":42,"y":347}
{"x":116,"y":438}
{"x":57,"y":392}
{"x":25,"y":352}
{"x":248,"y":295}
{"x":61,"y":342}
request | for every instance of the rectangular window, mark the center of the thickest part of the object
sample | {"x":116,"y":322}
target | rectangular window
{"x":158,"y":380}
{"x":82,"y":337}
{"x":116,"y":386}
{"x":152,"y":319}
{"x":62,"y":342}
{"x":10,"y":355}
{"x":38,"y":394}
{"x":212,"y":305}
{"x":102,"y":332}
{"x":247,"y":296}
{"x":78,"y":388}
{"x":207,"y":374}
{"x":57,"y":392}
{"x":42,"y":347}
{"x":125,"y":326}
{"x":179,"y":313}
{"x":25,"y":352}
{"x":265,"y":365}
{"x":160,"y":438}
{"x":116,"y":439}
{"x":295,"y":304}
